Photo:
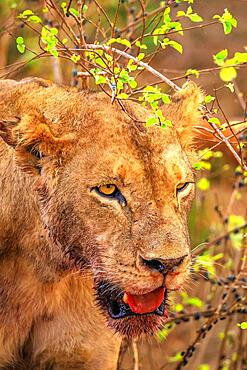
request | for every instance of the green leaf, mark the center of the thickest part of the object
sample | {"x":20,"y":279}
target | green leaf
{"x":100,"y":62}
{"x":220,"y":57}
{"x":75,"y":58}
{"x":74,"y":12}
{"x":165,"y":331}
{"x":203,"y":184}
{"x":227,"y":21}
{"x":122,"y":96}
{"x":99,"y":79}
{"x":208,"y":99}
{"x":195,"y":17}
{"x":54,"y":31}
{"x":228,"y":74}
{"x":21,"y":48}
{"x":132,"y":82}
{"x":205,"y":262}
{"x":152,"y":121}
{"x":54,"y":52}
{"x":177,"y":358}
{"x":119,"y":41}
{"x":240,"y":58}
{"x":64,"y":7}
{"x":179,"y":307}
{"x":206,"y":153}
{"x":194,"y":72}
{"x":140,"y":56}
{"x":165,"y":98}
{"x":214,"y":120}
{"x":195,"y":301}
{"x":167,"y":11}
{"x":132,"y":67}
{"x":189,"y":10}
{"x":141,"y":46}
{"x":19,"y":40}
{"x":25,"y":14}
{"x":202,"y":165}
{"x":84,"y":8}
{"x":235,"y":221}
{"x":34,"y":19}
{"x":204,"y":367}
{"x":181,"y":13}
{"x":243,"y":325}
{"x":175,"y":45}
{"x":166,"y":123}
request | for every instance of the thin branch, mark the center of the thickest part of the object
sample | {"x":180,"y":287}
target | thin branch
{"x":139,"y":62}
{"x":135,"y":354}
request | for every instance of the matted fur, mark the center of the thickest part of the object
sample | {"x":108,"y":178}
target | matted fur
{"x":57,"y":234}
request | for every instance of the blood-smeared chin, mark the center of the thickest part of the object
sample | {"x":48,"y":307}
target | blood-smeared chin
{"x":132,"y":315}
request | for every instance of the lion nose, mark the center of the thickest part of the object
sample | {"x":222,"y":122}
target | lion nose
{"x":163,"y":265}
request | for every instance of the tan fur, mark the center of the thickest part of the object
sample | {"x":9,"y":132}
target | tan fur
{"x":60,"y":144}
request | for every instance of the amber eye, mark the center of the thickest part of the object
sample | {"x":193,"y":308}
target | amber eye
{"x":182,"y":186}
{"x":107,"y":190}
{"x":110,"y":191}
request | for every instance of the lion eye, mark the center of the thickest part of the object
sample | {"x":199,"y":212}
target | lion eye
{"x":107,"y":190}
{"x":112,"y":192}
{"x":182,"y":186}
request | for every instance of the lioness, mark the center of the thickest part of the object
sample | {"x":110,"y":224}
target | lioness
{"x":93,"y":231}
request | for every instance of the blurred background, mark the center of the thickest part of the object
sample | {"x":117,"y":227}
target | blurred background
{"x":221,"y":201}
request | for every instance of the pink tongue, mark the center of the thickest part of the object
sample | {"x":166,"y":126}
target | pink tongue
{"x":146,"y":302}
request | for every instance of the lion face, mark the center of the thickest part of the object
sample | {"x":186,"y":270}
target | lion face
{"x":114,"y":196}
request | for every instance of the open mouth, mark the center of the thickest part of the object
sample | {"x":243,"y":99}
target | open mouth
{"x":120,"y":305}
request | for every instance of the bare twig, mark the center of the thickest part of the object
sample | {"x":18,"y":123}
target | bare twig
{"x":135,"y":355}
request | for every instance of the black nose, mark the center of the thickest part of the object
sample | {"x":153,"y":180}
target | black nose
{"x":163,"y":265}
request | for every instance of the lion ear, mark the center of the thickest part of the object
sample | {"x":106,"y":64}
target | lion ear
{"x":186,"y":112}
{"x":33,"y":141}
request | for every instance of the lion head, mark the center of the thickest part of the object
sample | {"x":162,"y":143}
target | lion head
{"x":113,"y":194}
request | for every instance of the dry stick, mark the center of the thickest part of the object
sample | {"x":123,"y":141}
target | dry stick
{"x":208,"y":325}
{"x":239,"y":349}
{"x":219,"y":143}
{"x":224,"y":342}
{"x":228,"y":124}
{"x":123,"y":349}
{"x":142,"y":5}
{"x":182,"y":30}
{"x":69,"y":5}
{"x":239,"y":95}
{"x":205,"y":70}
{"x":139,"y":62}
{"x":55,"y":62}
{"x":137,"y":21}
{"x":85,"y":81}
{"x":115,"y":19}
{"x":152,"y":55}
{"x":211,"y":69}
{"x":52,"y":5}
{"x":135,"y":354}
{"x":220,"y":238}
{"x":19,"y":65}
{"x":104,"y":12}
